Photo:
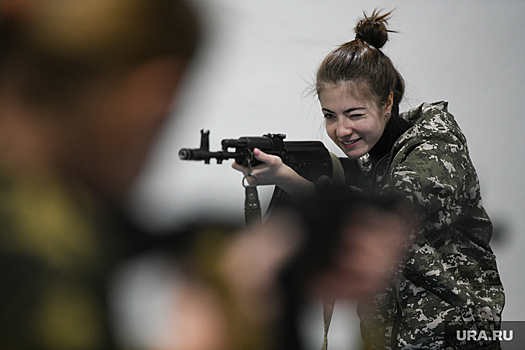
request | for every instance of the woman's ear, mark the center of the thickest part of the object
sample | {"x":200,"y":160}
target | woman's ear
{"x":389,"y":103}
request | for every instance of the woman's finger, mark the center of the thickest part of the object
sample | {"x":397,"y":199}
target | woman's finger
{"x":240,"y":168}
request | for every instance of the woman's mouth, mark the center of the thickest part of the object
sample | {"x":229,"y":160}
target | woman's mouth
{"x":350,"y":143}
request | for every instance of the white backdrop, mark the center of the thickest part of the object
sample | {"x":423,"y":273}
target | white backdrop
{"x":260,"y":58}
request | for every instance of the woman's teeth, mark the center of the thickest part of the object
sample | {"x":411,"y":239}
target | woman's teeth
{"x":351,"y":142}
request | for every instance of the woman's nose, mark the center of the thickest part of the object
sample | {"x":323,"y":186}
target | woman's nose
{"x":344,"y":127}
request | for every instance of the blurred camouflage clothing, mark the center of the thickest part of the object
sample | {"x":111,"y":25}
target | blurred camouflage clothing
{"x":57,"y":250}
{"x":450,"y":273}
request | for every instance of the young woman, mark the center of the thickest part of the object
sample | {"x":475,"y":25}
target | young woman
{"x":449,"y":277}
{"x":85,"y":86}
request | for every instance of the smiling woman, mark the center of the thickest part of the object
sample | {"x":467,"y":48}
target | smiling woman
{"x":421,"y":156}
{"x":352,"y":122}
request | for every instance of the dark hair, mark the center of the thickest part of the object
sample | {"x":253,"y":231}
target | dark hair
{"x":63,"y":43}
{"x":362,"y":62}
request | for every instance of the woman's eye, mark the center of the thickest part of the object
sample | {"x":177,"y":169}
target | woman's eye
{"x":329,"y":116}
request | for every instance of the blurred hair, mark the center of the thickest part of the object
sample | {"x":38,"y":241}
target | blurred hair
{"x":362,"y":63}
{"x":51,"y":46}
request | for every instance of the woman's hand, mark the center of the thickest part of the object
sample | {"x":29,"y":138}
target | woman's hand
{"x":273,"y":171}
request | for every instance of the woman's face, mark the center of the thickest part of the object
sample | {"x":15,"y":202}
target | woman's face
{"x":354,"y":122}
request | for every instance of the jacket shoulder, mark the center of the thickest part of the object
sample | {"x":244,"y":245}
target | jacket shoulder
{"x":430,"y":120}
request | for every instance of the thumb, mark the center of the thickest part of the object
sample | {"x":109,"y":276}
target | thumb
{"x":260,"y":155}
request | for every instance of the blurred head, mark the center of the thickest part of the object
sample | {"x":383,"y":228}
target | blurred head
{"x":359,"y":75}
{"x":90,"y":83}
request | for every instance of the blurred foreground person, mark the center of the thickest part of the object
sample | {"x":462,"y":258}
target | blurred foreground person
{"x":248,"y":291}
{"x":84,"y":88}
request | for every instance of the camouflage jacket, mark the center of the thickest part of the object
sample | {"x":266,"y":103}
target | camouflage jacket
{"x":57,"y":250}
{"x":449,"y":278}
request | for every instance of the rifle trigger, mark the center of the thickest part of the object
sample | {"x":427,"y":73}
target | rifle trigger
{"x":245,"y":183}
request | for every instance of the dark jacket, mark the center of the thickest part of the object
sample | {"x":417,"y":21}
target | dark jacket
{"x":449,"y":279}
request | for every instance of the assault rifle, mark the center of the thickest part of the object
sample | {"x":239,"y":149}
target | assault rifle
{"x":310,"y":159}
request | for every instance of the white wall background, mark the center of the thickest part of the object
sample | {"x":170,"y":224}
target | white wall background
{"x":261,"y":57}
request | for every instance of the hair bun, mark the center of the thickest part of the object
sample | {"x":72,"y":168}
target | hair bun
{"x":373,"y":29}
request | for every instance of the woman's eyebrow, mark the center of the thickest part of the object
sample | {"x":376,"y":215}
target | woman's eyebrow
{"x":349,"y":110}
